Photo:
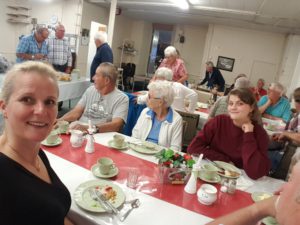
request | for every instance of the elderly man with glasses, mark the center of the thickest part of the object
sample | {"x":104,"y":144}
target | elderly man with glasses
{"x":273,"y":105}
{"x":33,"y":46}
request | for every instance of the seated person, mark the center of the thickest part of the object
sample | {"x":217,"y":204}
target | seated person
{"x":236,"y":138}
{"x":182,"y":93}
{"x":102,"y":103}
{"x":259,"y":90}
{"x":159,"y":123}
{"x":285,"y":207}
{"x":274,"y":106}
{"x":220,"y":106}
{"x":291,"y":134}
{"x":213,"y":77}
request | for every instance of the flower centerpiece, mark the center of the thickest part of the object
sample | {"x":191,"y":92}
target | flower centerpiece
{"x":174,"y":167}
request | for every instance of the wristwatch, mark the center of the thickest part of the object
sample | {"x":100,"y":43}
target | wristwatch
{"x":32,"y":56}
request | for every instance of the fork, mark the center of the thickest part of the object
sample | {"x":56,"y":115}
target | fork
{"x":135,"y":204}
{"x":95,"y":198}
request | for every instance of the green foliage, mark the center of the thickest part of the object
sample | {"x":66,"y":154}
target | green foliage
{"x":169,"y":158}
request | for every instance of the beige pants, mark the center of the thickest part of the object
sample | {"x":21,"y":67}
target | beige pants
{"x":294,"y":160}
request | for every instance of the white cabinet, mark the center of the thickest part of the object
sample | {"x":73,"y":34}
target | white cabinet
{"x":18,"y":14}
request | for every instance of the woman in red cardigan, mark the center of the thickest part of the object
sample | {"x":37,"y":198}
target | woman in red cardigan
{"x":236,"y":138}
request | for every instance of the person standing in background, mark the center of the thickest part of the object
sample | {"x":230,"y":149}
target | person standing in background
{"x":59,"y":51}
{"x":33,"y":46}
{"x":213,"y":77}
{"x":173,"y":62}
{"x":103,"y":53}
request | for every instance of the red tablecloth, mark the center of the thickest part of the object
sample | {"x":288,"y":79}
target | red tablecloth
{"x":149,"y":179}
{"x":203,"y":110}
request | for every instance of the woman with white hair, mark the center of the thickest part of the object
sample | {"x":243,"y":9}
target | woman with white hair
{"x":177,"y":66}
{"x":159,"y":123}
{"x":273,"y":105}
{"x":182,"y":93}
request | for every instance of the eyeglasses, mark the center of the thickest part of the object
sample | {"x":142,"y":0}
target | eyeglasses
{"x":157,"y":98}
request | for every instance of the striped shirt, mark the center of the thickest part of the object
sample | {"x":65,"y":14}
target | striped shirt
{"x":59,"y":52}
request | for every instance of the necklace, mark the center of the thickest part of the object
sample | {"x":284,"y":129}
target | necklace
{"x":37,"y":164}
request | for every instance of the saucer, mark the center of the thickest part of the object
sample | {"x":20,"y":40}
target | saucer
{"x":216,"y":178}
{"x":96,"y":171}
{"x":112,"y":145}
{"x":57,"y":142}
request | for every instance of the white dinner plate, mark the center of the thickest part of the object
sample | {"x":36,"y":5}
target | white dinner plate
{"x":57,"y":142}
{"x":145,"y":148}
{"x":228,"y":167}
{"x":84,"y":200}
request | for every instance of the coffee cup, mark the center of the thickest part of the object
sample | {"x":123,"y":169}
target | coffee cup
{"x":209,"y":171}
{"x":52,"y":137}
{"x":207,"y":194}
{"x":63,"y":126}
{"x":118,"y":140}
{"x":105,"y":165}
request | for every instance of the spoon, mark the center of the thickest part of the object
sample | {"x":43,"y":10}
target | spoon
{"x":135,"y":204}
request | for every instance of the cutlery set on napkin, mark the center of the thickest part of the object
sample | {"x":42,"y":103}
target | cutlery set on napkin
{"x":109,"y":207}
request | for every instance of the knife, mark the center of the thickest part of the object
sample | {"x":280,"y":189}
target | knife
{"x":107,"y":202}
{"x":93,"y":193}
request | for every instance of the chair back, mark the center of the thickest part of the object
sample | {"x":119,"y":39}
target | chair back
{"x":203,"y":96}
{"x":190,"y":124}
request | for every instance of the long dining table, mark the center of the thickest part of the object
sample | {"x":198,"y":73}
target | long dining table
{"x":161,"y":203}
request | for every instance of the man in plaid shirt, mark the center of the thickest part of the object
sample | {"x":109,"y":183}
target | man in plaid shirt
{"x":33,"y":46}
{"x":59,"y":52}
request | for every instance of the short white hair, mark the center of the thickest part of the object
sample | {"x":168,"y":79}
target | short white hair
{"x":162,"y":89}
{"x":101,"y":36}
{"x":170,"y":51}
{"x":242,"y":82}
{"x":164,"y":73}
{"x":276,"y":86}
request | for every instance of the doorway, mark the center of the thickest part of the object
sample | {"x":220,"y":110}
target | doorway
{"x":160,"y":40}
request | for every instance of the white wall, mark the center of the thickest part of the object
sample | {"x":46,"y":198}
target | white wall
{"x":191,"y":51}
{"x":288,"y":74}
{"x":255,"y":52}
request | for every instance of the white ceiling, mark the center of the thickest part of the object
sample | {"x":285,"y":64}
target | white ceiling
{"x":270,"y":15}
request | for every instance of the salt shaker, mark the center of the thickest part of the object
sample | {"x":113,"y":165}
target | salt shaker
{"x":89,"y":148}
{"x":231,"y":186}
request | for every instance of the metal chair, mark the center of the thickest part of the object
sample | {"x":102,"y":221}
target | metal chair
{"x":120,"y":82}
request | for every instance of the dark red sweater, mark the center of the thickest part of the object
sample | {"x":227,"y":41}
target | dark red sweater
{"x":221,"y":140}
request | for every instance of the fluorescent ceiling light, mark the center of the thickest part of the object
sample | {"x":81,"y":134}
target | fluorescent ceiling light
{"x":194,"y":1}
{"x":181,"y":4}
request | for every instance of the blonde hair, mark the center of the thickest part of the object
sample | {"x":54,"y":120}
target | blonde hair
{"x":13,"y":74}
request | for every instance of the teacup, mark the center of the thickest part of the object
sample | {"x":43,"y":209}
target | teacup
{"x":105,"y":165}
{"x":119,"y":140}
{"x":207,"y":194}
{"x":63,"y":126}
{"x":209,"y":171}
{"x":52,"y":137}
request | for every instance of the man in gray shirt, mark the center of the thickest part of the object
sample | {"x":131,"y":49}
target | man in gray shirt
{"x":102,"y":103}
